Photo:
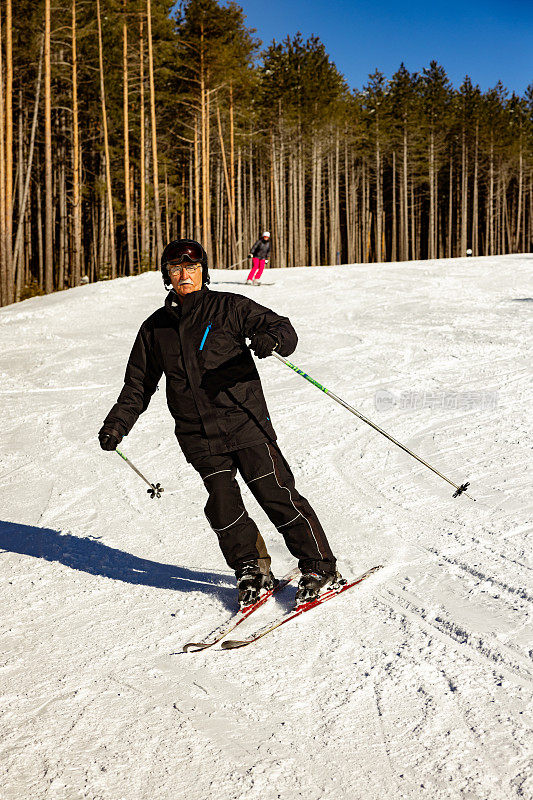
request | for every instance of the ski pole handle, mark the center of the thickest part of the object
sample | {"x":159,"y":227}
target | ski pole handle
{"x":155,"y":489}
{"x":459,"y":489}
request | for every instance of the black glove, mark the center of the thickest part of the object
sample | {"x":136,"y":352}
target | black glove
{"x":263,"y":344}
{"x":109,"y":441}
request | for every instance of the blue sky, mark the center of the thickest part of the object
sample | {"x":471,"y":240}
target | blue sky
{"x":490,"y":41}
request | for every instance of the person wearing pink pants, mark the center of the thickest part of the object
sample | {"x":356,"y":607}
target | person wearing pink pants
{"x":259,"y":255}
{"x":258,"y":265}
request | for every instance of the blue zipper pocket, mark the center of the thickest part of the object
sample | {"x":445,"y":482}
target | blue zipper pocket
{"x":205,"y":336}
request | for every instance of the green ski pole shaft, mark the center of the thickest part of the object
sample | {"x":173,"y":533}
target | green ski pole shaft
{"x":459,"y":489}
{"x":155,"y":489}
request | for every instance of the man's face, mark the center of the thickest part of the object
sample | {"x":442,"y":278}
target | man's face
{"x":185,"y":277}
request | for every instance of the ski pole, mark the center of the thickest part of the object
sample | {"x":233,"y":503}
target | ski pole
{"x":459,"y":489}
{"x":155,"y":489}
{"x":237,"y":263}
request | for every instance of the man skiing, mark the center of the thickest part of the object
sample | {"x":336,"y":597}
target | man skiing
{"x":221,"y":419}
{"x":259,"y":255}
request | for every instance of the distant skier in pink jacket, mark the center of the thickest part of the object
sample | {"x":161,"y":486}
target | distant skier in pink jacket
{"x":259,"y":255}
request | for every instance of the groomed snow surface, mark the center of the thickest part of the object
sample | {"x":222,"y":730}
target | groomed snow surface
{"x":414,"y":685}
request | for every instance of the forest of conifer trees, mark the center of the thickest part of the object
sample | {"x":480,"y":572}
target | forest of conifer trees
{"x":125,"y":123}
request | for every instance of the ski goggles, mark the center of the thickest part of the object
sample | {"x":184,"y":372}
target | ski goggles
{"x":185,"y":251}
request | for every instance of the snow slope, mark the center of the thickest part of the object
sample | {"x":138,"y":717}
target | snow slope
{"x":414,"y":685}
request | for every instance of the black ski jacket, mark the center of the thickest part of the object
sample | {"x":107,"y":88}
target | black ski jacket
{"x":212,"y":384}
{"x":261,"y":248}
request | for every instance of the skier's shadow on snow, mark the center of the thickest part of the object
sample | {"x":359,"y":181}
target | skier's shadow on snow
{"x":90,"y":555}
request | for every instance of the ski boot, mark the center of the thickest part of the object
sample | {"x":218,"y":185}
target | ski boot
{"x":249,"y":281}
{"x":251,"y":582}
{"x":315,"y":582}
{"x":256,"y":282}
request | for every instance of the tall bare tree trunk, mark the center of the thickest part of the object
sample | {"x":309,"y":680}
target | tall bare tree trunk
{"x":157,"y":207}
{"x":9,"y":151}
{"x":251,"y":193}
{"x":62,"y":201}
{"x":76,"y":194}
{"x":464,"y":195}
{"x":197,"y":228}
{"x":236,"y":254}
{"x":125,"y":99}
{"x":167,"y":214}
{"x":290,"y":211}
{"x":204,"y":139}
{"x":4,"y":272}
{"x":458,"y":214}
{"x":295,"y":201}
{"x":284,"y":254}
{"x":431,"y":227}
{"x":105,"y":233}
{"x":274,"y":196}
{"x":219,"y":216}
{"x":519,"y":203}
{"x":336,"y":199}
{"x":356,"y":238}
{"x":348,"y":203}
{"x":403,"y":221}
{"x":383,"y":228}
{"x":208,"y":164}
{"x":475,"y":200}
{"x":228,"y":187}
{"x":530,"y":232}
{"x":499,"y":205}
{"x":449,"y":242}
{"x":415,"y":241}
{"x":142,"y":221}
{"x":26,"y":190}
{"x":273,"y":220}
{"x":190,"y":228}
{"x":394,"y":230}
{"x":40,"y":226}
{"x":48,"y":236}
{"x":101,"y":221}
{"x":507,"y":238}
{"x":302,"y":235}
{"x":436,"y":211}
{"x":490,"y":201}
{"x":111,"y":223}
{"x":239,"y":207}
{"x":315,"y":203}
{"x":364,"y":212}
{"x":405,"y":200}
{"x":379,"y":195}
{"x":18,"y":273}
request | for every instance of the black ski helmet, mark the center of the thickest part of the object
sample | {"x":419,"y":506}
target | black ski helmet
{"x":178,"y":248}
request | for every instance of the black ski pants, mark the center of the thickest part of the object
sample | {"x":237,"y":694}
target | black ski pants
{"x":271,"y":482}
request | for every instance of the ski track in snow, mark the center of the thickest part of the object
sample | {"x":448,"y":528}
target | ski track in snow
{"x":415,"y":685}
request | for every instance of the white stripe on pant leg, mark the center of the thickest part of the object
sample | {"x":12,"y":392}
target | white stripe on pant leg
{"x":215,"y":473}
{"x":260,"y":476}
{"x":321,"y":555}
{"x":218,"y":530}
{"x":299,"y":514}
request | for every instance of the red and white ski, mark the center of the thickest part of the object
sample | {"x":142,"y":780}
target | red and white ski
{"x":232,"y":644}
{"x":236,"y":619}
